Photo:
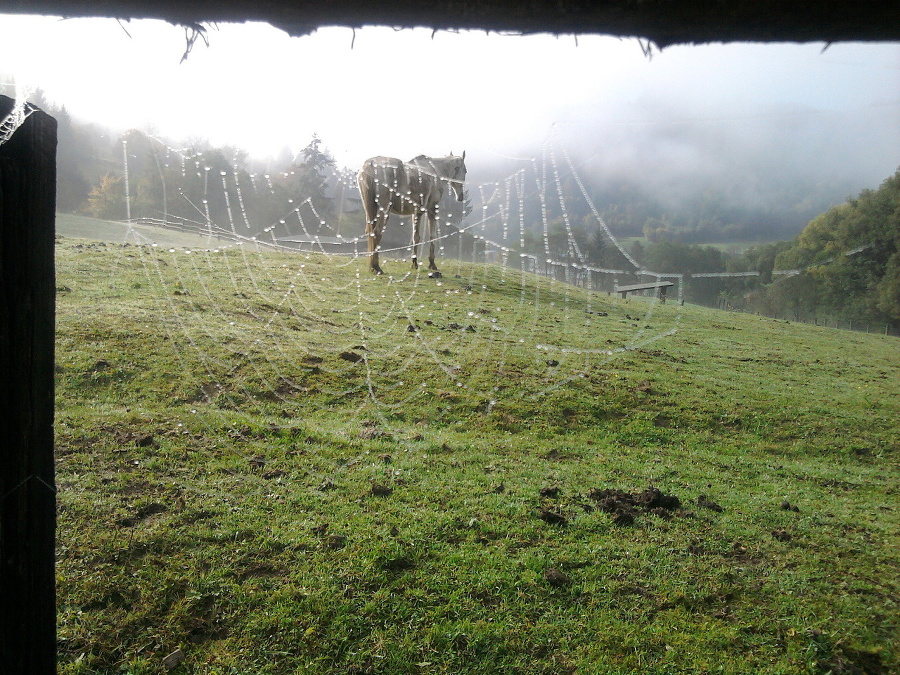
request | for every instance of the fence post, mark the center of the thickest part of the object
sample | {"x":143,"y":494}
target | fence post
{"x":27,"y":485}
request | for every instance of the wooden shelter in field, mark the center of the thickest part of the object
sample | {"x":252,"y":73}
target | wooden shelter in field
{"x":27,"y":204}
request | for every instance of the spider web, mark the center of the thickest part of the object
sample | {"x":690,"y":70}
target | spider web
{"x":262,"y":315}
{"x":16,"y":116}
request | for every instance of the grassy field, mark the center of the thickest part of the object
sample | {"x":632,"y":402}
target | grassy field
{"x":273,"y":463}
{"x":85,"y":227}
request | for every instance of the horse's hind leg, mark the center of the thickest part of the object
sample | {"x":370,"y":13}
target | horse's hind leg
{"x":374,"y":228}
{"x":375,"y":221}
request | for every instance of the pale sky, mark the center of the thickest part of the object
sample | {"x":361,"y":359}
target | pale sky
{"x":402,"y":93}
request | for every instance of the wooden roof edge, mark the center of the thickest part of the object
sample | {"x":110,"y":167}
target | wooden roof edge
{"x":663,"y":22}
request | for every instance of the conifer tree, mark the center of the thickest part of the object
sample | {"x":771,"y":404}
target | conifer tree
{"x":312,"y":178}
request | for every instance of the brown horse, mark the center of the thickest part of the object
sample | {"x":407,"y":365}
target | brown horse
{"x":389,"y":185}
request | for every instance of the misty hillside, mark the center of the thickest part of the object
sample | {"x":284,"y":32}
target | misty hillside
{"x":654,"y":169}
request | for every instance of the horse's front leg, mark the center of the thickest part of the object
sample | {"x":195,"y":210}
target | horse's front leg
{"x":417,"y":237}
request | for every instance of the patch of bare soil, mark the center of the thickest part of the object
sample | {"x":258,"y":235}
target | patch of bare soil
{"x":380,"y":490}
{"x":127,"y":437}
{"x":661,"y":354}
{"x":557,"y":455}
{"x":706,"y":503}
{"x":371,"y":433}
{"x":258,"y":570}
{"x":141,"y":514}
{"x":552,"y":517}
{"x":100,"y":366}
{"x":626,"y":506}
{"x":556,"y":577}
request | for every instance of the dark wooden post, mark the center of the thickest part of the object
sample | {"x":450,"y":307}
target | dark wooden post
{"x":27,"y":486}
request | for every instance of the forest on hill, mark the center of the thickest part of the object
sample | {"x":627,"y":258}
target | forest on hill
{"x":843,"y":268}
{"x":848,"y":263}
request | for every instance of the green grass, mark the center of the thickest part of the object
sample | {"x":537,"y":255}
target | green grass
{"x":231,"y":485}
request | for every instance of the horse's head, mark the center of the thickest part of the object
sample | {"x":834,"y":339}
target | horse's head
{"x":457,"y":174}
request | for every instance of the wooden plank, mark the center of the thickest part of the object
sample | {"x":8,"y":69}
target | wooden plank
{"x":643,"y":287}
{"x":27,"y":485}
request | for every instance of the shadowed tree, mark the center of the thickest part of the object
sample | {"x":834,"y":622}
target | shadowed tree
{"x":107,"y":199}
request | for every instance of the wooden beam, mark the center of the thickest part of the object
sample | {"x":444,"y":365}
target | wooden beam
{"x":664,"y":22}
{"x":27,"y":485}
{"x":644,"y":287}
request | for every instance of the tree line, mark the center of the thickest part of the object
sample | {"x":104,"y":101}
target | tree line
{"x":197,"y":184}
{"x":218,"y":187}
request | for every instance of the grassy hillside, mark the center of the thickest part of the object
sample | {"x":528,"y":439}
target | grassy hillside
{"x":276,"y":463}
{"x":85,"y":227}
